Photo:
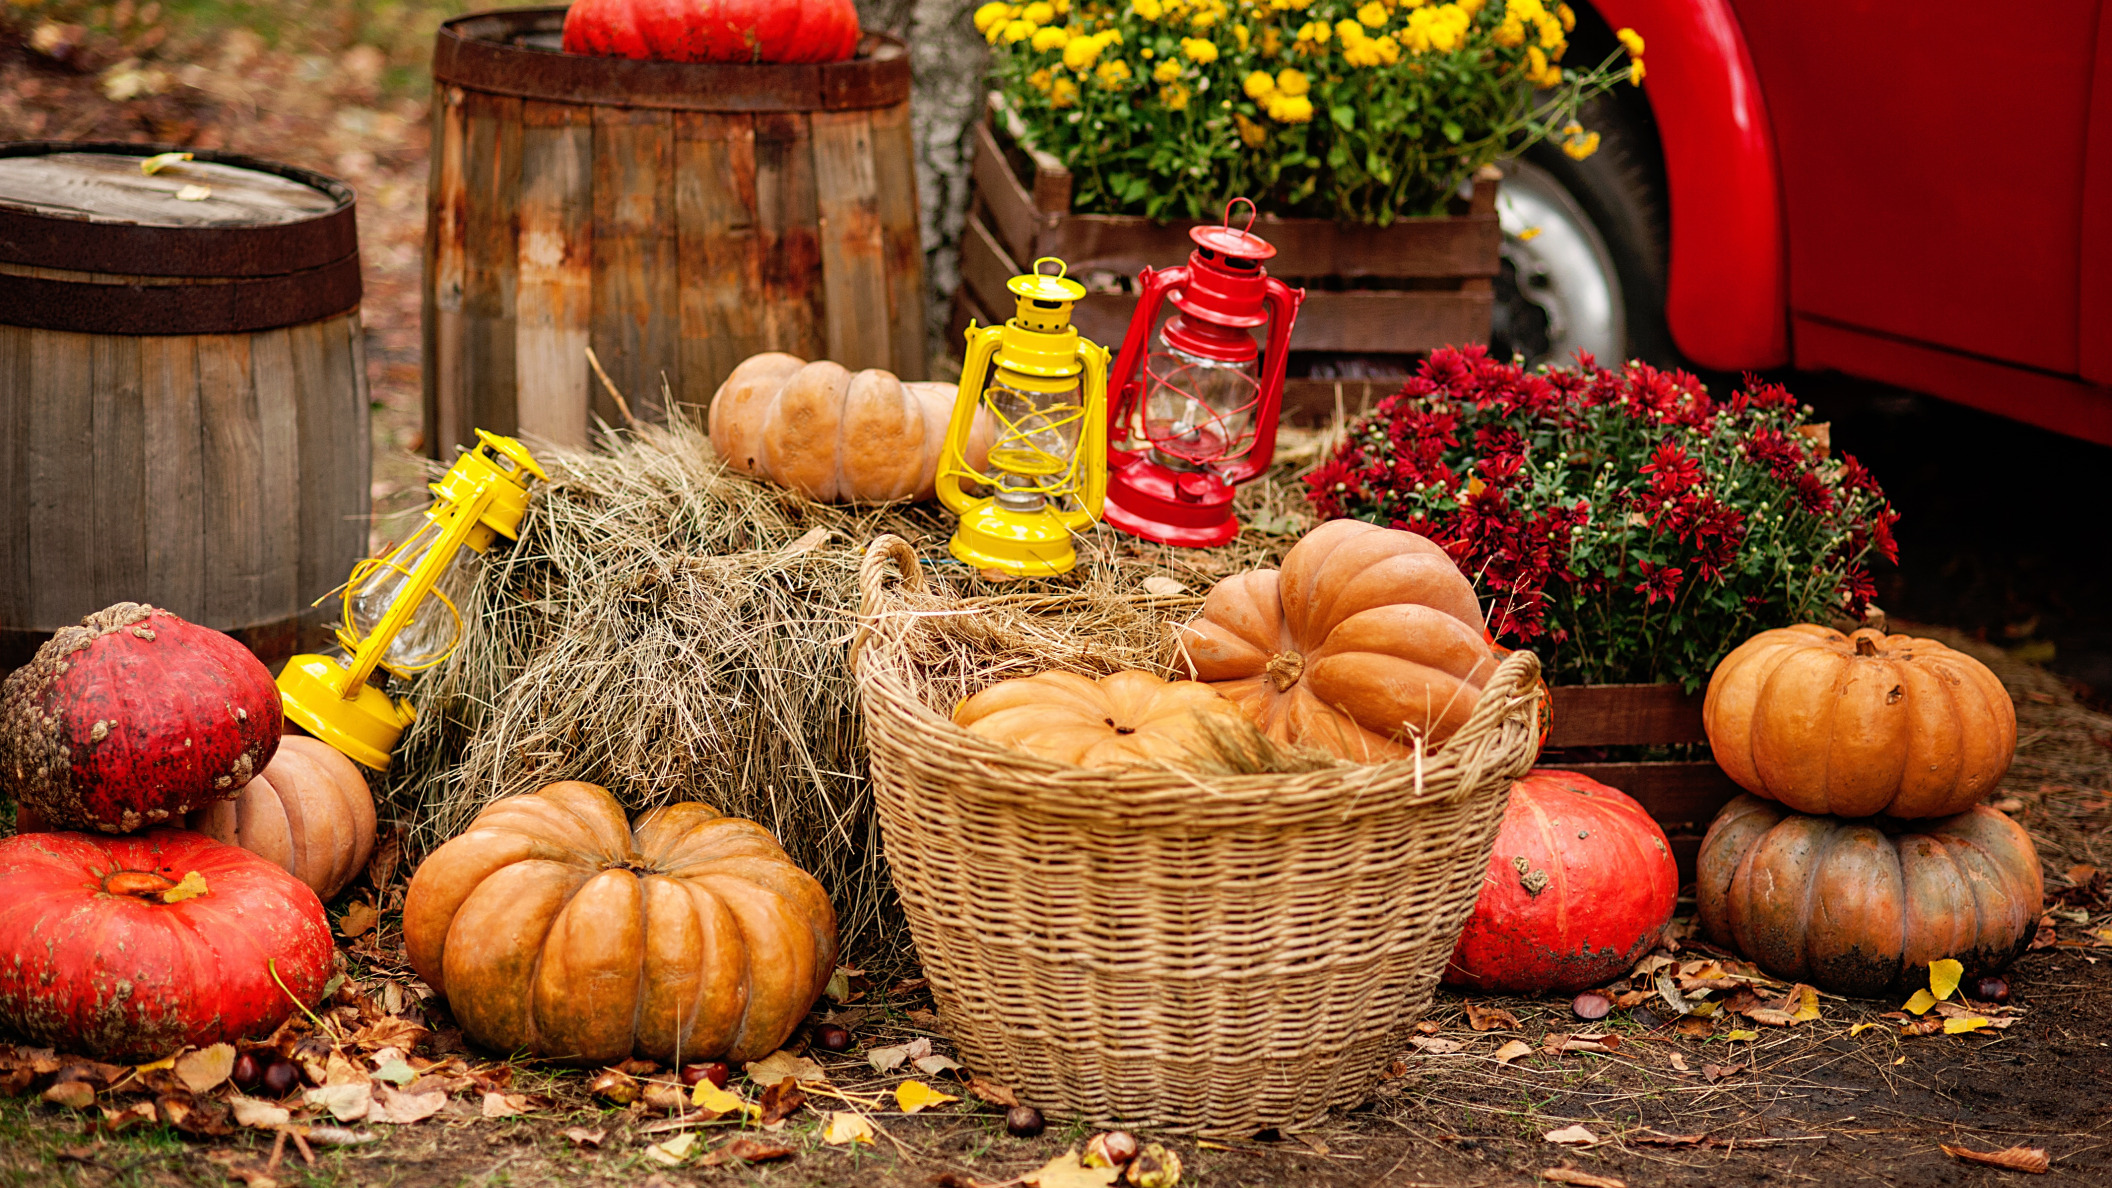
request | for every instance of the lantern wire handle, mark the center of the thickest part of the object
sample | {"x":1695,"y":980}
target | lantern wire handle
{"x":1253,"y":212}
{"x":1062,"y":269}
{"x":366,"y":569}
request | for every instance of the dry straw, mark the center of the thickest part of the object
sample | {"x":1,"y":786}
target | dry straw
{"x":1215,"y":951}
{"x":674,"y":631}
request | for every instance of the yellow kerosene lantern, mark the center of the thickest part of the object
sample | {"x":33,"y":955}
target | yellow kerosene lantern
{"x":1046,"y":389}
{"x":399,"y":609}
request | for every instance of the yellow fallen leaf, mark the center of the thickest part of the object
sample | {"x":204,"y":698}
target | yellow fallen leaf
{"x":781,"y":1064}
{"x":1919,"y":1004}
{"x":160,"y":161}
{"x":715,"y":1099}
{"x":916,"y":1095}
{"x":1944,"y":976}
{"x":192,"y":886}
{"x":674,"y":1150}
{"x":1960,"y":1025}
{"x":1742,"y":1034}
{"x":164,"y":1062}
{"x":1702,"y":1010}
{"x":1860,"y":1028}
{"x":204,"y":1070}
{"x":846,"y":1127}
{"x":1807,"y":1003}
{"x":1068,"y":1171}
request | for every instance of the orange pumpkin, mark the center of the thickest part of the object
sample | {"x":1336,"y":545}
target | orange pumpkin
{"x":1860,"y":724}
{"x":1863,"y":907}
{"x":555,"y":927}
{"x":1368,"y":637}
{"x":836,"y":436}
{"x":309,"y":811}
{"x":1124,"y":719}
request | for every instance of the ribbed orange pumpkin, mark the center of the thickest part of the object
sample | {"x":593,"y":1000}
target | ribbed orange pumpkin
{"x":555,"y":927}
{"x":309,"y":810}
{"x":833,"y":435}
{"x":1858,"y":725}
{"x":1366,"y":637}
{"x":1124,"y":719}
{"x":1862,"y":907}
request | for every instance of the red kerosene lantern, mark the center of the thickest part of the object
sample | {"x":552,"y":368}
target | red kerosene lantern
{"x":1201,"y":417}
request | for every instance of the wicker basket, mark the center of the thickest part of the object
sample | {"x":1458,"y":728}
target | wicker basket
{"x":1208,"y":954}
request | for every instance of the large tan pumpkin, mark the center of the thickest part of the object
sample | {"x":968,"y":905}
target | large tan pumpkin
{"x":1859,"y":724}
{"x":1366,"y":638}
{"x":1863,"y":907}
{"x":309,"y":810}
{"x":1124,"y":719}
{"x":555,"y":927}
{"x":834,"y":435}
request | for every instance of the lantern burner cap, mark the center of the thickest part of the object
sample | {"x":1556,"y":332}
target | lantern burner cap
{"x":1020,"y":501}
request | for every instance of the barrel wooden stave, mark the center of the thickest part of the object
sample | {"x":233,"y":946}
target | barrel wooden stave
{"x":672,"y":238}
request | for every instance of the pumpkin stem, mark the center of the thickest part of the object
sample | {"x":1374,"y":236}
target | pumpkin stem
{"x":1284,"y":669}
{"x":1864,"y":646}
{"x":143,"y":883}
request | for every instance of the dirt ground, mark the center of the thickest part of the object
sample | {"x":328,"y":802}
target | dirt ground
{"x":1818,"y":1102}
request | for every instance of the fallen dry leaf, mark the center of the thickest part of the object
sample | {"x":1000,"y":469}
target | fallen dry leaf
{"x":1806,"y":999}
{"x":1958,"y":1026}
{"x":929,"y":1020}
{"x":1583,"y":1179}
{"x":847,"y":1127}
{"x":1067,"y":1171}
{"x":504,"y":1105}
{"x":1713,"y":1073}
{"x":781,"y":1064}
{"x":131,"y":1115}
{"x":992,"y":1092}
{"x":403,"y":1109}
{"x":887,"y":1059}
{"x":1944,"y":977}
{"x":582,"y":1137}
{"x":673,"y":1151}
{"x":261,"y":1114}
{"x":2023,"y":1159}
{"x":1159,"y":584}
{"x":1658,"y":1138}
{"x":359,"y":919}
{"x":665,"y":1097}
{"x":1482,"y":1018}
{"x":203,"y":1070}
{"x":1575,"y":1134}
{"x":254,"y":1177}
{"x":78,"y":1095}
{"x":935,"y":1065}
{"x":1431,"y":1046}
{"x":780,"y":1101}
{"x":747,"y":1150}
{"x":1860,"y":1028}
{"x":1770,"y":1017}
{"x":913,"y":1096}
{"x":1679,"y":1062}
{"x":1512,"y":1051}
{"x":1921,"y":1001}
{"x":617,"y":1088}
{"x":1738,"y":1033}
{"x":346,"y":1102}
{"x":720,"y":1102}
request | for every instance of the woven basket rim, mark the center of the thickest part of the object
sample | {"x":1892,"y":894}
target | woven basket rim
{"x":1502,"y":721}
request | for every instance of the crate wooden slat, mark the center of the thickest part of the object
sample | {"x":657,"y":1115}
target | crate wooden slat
{"x":1683,"y":797}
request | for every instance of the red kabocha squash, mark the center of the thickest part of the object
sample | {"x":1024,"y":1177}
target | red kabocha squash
{"x":1580,"y":886}
{"x":130,"y":948}
{"x":1862,"y":907}
{"x":714,"y":30}
{"x":1366,"y":636}
{"x":1860,"y":724}
{"x":309,"y":811}
{"x":135,"y":717}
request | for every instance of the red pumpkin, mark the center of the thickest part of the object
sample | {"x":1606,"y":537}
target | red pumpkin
{"x":714,"y":30}
{"x":1581,"y":885}
{"x":129,"y":948}
{"x":135,"y":717}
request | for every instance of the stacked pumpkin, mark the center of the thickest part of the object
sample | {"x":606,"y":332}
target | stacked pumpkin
{"x":128,"y":937}
{"x":1862,"y":852}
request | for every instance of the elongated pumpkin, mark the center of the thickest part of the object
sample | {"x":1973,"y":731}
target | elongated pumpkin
{"x":1860,"y":724}
{"x":309,"y":811}
{"x":1367,"y":639}
{"x":553,"y":926}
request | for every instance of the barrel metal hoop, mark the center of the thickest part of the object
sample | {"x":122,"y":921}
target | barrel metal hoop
{"x":39,"y":239}
{"x":232,"y":306}
{"x":496,"y":53}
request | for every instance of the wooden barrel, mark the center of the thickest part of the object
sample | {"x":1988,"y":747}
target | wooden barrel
{"x":675,"y":217}
{"x":183,"y":393}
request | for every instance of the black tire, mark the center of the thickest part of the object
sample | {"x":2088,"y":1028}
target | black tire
{"x":1620,"y":190}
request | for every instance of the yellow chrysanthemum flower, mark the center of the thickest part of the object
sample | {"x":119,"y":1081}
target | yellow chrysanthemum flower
{"x":1040,"y":80}
{"x":1580,"y":147}
{"x":1063,"y":93}
{"x":1349,"y":31}
{"x":1258,"y":84}
{"x":1175,"y":97}
{"x":1081,"y":53}
{"x":1635,"y":73}
{"x":1018,"y":30}
{"x":1241,"y":35}
{"x":1511,"y":33}
{"x":1199,"y":51}
{"x":1041,"y":12}
{"x":1052,"y":37}
{"x":1149,"y":10}
{"x":1535,"y":62}
{"x":1388,"y":49}
{"x":1251,"y":134}
{"x":1631,"y":41}
{"x":994,"y":13}
{"x":1372,"y":15}
{"x":1290,"y":109}
{"x":1166,"y":71}
{"x":1271,"y":41}
{"x":1293,"y":83}
{"x":1112,"y":74}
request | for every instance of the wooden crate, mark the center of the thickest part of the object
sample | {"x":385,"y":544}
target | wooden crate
{"x":1410,"y":287}
{"x":1682,"y":796}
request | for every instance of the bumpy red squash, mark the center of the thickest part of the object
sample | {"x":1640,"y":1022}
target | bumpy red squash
{"x":1862,"y":907}
{"x":129,"y":948}
{"x":554,"y":926}
{"x":714,"y":30}
{"x":1366,"y":636}
{"x":1581,"y":885}
{"x":135,"y":717}
{"x":309,"y":811}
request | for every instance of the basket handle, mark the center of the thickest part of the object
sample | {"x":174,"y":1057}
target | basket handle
{"x":887,"y":552}
{"x":1517,"y":676}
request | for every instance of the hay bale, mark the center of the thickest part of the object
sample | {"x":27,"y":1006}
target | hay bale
{"x":675,"y":631}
